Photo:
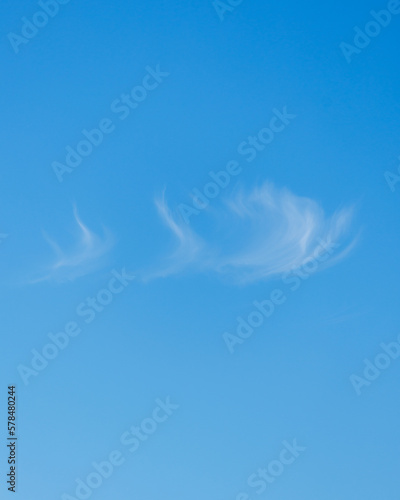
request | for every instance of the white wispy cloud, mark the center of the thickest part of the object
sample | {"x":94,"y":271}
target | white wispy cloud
{"x":189,"y":245}
{"x":84,"y":256}
{"x":257,"y":235}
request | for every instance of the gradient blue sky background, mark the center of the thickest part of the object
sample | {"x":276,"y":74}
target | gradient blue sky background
{"x":164,"y":337}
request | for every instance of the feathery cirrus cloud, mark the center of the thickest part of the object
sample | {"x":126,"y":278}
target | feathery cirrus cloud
{"x":84,"y":256}
{"x":256,"y":235}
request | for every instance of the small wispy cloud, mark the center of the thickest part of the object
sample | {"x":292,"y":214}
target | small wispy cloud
{"x":188,"y":246}
{"x":256,"y":235}
{"x":84,"y":256}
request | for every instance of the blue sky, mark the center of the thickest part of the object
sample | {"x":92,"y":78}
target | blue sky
{"x":202,"y":86}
